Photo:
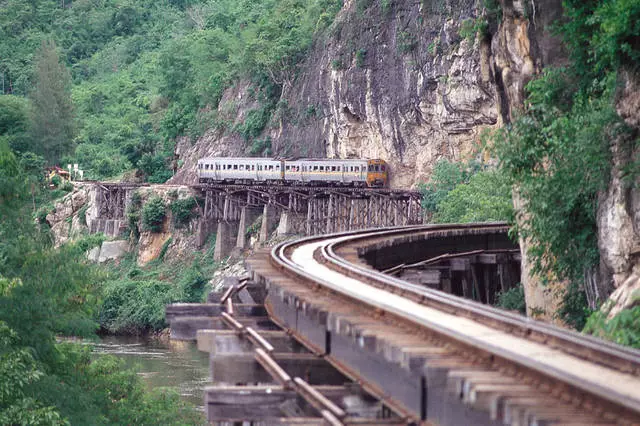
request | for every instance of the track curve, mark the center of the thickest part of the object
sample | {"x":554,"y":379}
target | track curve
{"x":603,"y":374}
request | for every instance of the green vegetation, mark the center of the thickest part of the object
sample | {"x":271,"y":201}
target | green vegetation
{"x":153,"y":214}
{"x":556,"y":153}
{"x":52,"y":121}
{"x":361,"y":55}
{"x":459,"y":192}
{"x":143,"y":73}
{"x":47,"y":292}
{"x":406,"y":42}
{"x":513,"y":300}
{"x":134,"y":297}
{"x":182,"y":211}
{"x":486,"y":197}
{"x":624,"y":328}
{"x":470,"y":28}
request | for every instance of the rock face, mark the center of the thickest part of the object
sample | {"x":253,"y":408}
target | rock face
{"x":109,"y":250}
{"x":619,"y":209}
{"x":399,"y":83}
{"x":65,"y":219}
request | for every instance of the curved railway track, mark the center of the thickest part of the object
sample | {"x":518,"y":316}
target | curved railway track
{"x":514,"y":369}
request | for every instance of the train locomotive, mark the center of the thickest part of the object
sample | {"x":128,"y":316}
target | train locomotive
{"x":312,"y":172}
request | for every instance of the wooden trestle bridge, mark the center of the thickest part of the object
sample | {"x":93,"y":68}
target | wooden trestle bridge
{"x":229,"y":210}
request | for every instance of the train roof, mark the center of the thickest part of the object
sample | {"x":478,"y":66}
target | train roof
{"x":239,"y":158}
{"x":332,"y":159}
{"x":297,"y":159}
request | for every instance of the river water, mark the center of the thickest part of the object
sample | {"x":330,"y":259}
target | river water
{"x":175,"y":363}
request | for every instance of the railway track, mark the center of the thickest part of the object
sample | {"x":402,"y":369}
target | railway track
{"x":468,"y":363}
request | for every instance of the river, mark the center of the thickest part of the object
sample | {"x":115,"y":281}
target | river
{"x":175,"y":363}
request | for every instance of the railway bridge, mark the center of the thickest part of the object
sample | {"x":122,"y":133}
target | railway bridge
{"x":323,"y":331}
{"x":228,"y":210}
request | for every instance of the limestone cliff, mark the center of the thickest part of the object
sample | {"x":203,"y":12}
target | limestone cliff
{"x":619,"y":208}
{"x":397,"y":82}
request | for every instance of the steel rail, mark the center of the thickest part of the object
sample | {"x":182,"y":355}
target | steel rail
{"x":576,"y":344}
{"x":616,"y":354}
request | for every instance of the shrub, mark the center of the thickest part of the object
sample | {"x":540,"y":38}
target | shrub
{"x":469,"y":28}
{"x":42,"y":212}
{"x":261,"y":146}
{"x":361,"y":55}
{"x":182,"y":211}
{"x":623,"y":329}
{"x":192,"y":285}
{"x":135,"y":306}
{"x":406,"y":42}
{"x":153,"y":214}
{"x":513,"y":300}
{"x":485,"y":198}
{"x":254,"y":123}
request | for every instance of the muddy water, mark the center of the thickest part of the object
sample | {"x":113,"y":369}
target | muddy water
{"x":176,"y":364}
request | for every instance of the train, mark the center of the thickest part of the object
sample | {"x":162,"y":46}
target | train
{"x":312,"y":172}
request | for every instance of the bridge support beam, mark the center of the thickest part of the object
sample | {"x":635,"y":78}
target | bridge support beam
{"x":291,"y":223}
{"x":268,"y":222}
{"x":247,"y":216}
{"x":226,"y":237}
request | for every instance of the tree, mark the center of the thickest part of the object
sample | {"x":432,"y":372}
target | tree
{"x":14,"y":122}
{"x":52,"y":127}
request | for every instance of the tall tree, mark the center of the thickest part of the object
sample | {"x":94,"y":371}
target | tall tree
{"x":52,"y":128}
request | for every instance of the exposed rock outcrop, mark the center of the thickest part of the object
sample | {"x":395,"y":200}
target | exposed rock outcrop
{"x":400,"y":84}
{"x":65,"y":221}
{"x":619,"y":207}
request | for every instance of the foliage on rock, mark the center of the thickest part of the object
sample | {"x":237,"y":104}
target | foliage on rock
{"x":153,"y":214}
{"x":182,"y":211}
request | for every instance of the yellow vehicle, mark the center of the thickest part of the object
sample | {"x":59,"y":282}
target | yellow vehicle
{"x":377,"y":173}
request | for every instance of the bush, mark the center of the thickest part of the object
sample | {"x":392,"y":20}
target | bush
{"x":406,"y":42}
{"x":623,"y":329}
{"x":182,"y":211}
{"x":485,"y":198}
{"x":513,"y":300}
{"x":153,"y":214}
{"x":136,"y":306}
{"x":361,"y":55}
{"x":192,"y":285}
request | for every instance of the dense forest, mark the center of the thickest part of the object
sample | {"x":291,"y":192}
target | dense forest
{"x":114,"y":82}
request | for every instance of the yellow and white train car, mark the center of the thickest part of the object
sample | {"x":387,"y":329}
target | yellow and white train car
{"x":239,"y":170}
{"x":347,"y":172}
{"x":313,"y":172}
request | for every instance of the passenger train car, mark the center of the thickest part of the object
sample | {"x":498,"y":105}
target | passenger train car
{"x":371,"y":173}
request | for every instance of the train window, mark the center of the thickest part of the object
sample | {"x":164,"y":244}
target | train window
{"x":333,"y":168}
{"x":235,"y":167}
{"x":315,"y":168}
{"x":322,"y":168}
{"x":217,"y":166}
{"x":259,"y":167}
{"x":377,"y":168}
{"x":241,"y":166}
{"x":253,"y":167}
{"x":271,"y":167}
{"x":382,"y":168}
{"x":287,"y":168}
{"x":277,"y":167}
